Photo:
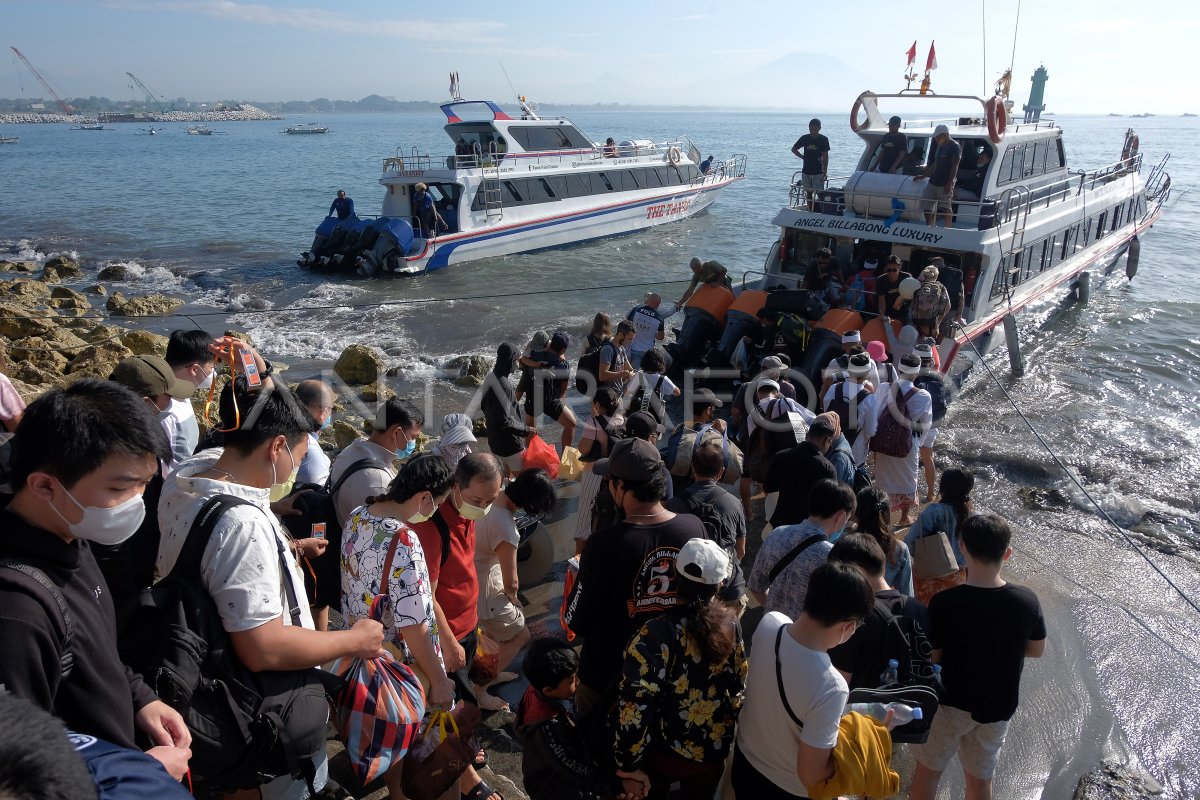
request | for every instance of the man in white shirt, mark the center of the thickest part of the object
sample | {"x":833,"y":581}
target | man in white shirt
{"x":648,"y":326}
{"x":788,"y":725}
{"x":191,"y":360}
{"x":317,"y":397}
{"x":393,"y":436}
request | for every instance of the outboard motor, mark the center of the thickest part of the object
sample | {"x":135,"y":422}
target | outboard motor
{"x":824,"y":345}
{"x":320,"y":242}
{"x":337,"y":239}
{"x":347,"y":254}
{"x":740,"y":320}
{"x":394,"y":237}
{"x":703,"y":318}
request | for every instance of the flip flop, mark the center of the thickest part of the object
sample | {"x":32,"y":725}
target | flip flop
{"x":481,"y":791}
{"x":481,"y":760}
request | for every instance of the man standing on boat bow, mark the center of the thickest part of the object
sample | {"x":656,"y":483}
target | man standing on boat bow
{"x":343,"y":206}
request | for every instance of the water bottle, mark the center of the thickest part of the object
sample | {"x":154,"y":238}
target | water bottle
{"x":878,"y":711}
{"x":937,"y":676}
{"x":891,"y":675}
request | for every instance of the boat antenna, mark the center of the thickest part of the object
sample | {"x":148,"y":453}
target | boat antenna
{"x":1016,"y":26}
{"x":983,"y":23}
{"x":510,"y":83}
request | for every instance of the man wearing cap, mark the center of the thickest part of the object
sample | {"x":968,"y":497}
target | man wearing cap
{"x":891,"y":150}
{"x":941,"y":171}
{"x":642,"y":425}
{"x":425,"y":211}
{"x":649,"y":327}
{"x":898,"y":476}
{"x":393,"y":436}
{"x":152,"y":379}
{"x":626,"y":572}
{"x":793,"y":472}
{"x":813,"y":147}
{"x":703,"y":426}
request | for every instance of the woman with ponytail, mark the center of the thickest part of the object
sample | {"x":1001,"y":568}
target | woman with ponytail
{"x":948,"y":516}
{"x":874,"y":515}
{"x":681,"y":685}
{"x":378,"y":540}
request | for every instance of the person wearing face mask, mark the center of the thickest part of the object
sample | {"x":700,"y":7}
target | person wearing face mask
{"x":448,"y":540}
{"x":455,"y":439}
{"x":779,"y":578}
{"x":393,"y":436}
{"x":788,"y":726}
{"x":318,"y":398}
{"x":506,"y":429}
{"x":249,"y":557}
{"x":152,"y":378}
{"x":82,"y":457}
{"x":191,"y":360}
{"x":379,"y":541}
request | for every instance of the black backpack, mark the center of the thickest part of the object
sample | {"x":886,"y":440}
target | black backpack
{"x":765,"y":442}
{"x":317,"y":508}
{"x":651,"y":402}
{"x":841,"y":406}
{"x":936,"y":386}
{"x":247,"y":727}
{"x":589,"y":364}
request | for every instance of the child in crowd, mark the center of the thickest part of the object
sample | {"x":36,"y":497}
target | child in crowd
{"x":554,"y":759}
{"x":981,"y":633}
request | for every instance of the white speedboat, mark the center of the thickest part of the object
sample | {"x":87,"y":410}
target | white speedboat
{"x":9,"y":139}
{"x":306,"y":128}
{"x":514,"y":185}
{"x":1037,"y":229}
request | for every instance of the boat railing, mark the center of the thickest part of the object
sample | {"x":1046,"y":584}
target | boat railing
{"x":718,"y":171}
{"x":654,"y":151}
{"x":1115,"y":171}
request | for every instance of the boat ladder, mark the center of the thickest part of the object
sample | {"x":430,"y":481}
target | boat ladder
{"x":493,"y":199}
{"x":1015,"y":202}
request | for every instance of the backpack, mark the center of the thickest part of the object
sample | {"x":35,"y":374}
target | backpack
{"x":589,"y":364}
{"x":247,"y":727}
{"x":602,"y":447}
{"x":841,"y":406}
{"x":929,"y":302}
{"x":318,"y":513}
{"x":681,"y":445}
{"x":35,"y":583}
{"x":936,"y":386}
{"x":894,"y":437}
{"x":651,"y":402}
{"x":765,"y":443}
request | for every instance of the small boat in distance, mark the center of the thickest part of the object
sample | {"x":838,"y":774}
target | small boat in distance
{"x":307,"y":127}
{"x":9,"y":139}
{"x":88,"y":126}
{"x":203,"y":130}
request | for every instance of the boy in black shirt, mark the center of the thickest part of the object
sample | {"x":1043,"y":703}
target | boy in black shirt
{"x":981,"y":632}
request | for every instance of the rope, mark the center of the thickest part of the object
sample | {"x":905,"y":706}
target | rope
{"x":382,"y":304}
{"x":1124,"y":534}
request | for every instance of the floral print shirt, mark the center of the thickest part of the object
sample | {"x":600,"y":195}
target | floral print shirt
{"x":365,"y":543}
{"x":670,"y":697}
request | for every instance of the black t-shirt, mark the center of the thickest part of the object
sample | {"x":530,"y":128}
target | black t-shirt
{"x":863,"y":654}
{"x":724,"y":522}
{"x":892,"y":150}
{"x":982,"y":634}
{"x":626,"y":576}
{"x":816,"y":279}
{"x":888,"y":288}
{"x":812,"y":146}
{"x":952,"y":279}
{"x":792,"y":473}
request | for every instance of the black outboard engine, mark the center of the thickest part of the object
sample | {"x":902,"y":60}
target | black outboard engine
{"x":394,"y":237}
{"x":351,"y":245}
{"x":320,"y":243}
{"x":824,"y":345}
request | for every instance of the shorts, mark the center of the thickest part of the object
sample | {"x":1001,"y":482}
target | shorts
{"x":936,"y":199}
{"x":499,"y":617}
{"x":515,"y":463}
{"x":900,"y":502}
{"x":977,"y":744}
{"x":551,"y":408}
{"x":929,"y":438}
{"x":814,"y":183}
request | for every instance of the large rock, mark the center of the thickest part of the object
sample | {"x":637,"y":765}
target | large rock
{"x":32,"y":375}
{"x":359,"y":364}
{"x":17,"y":322}
{"x":61,"y":268}
{"x":1114,"y":781}
{"x":93,"y":332}
{"x":344,"y":433}
{"x":469,"y":371}
{"x":114,"y":272}
{"x":24,"y":291}
{"x":145,"y":343}
{"x":28,"y":392}
{"x":98,"y":289}
{"x":154,"y":304}
{"x":67,"y":293}
{"x":376,"y":392}
{"x":98,"y":360}
{"x":43,"y":354}
{"x":69,"y":306}
{"x":17,"y":266}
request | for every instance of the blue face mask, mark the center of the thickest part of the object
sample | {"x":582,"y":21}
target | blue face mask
{"x":328,"y":421}
{"x":408,"y":451}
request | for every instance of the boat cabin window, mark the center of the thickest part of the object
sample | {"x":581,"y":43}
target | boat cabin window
{"x":527,"y":191}
{"x":535,"y":138}
{"x":799,"y":248}
{"x":915,"y":158}
{"x":1030,"y":159}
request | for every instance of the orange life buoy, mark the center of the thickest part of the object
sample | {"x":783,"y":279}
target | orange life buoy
{"x":997,"y":118}
{"x":855,"y":125}
{"x":840,"y":320}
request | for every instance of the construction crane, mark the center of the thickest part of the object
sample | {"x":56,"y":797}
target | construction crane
{"x":150,"y":98}
{"x":67,"y":108}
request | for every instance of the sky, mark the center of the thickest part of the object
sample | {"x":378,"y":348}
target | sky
{"x":1102,"y":55}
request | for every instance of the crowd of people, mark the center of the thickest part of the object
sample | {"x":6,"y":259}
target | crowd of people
{"x":117,"y":491}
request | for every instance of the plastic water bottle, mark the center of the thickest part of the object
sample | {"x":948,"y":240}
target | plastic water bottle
{"x":878,"y":711}
{"x":891,"y":675}
{"x":937,"y":676}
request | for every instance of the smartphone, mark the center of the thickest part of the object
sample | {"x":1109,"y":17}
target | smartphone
{"x":318,"y":530}
{"x":253,"y":379}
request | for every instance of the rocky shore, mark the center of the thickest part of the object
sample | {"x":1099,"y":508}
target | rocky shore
{"x":243,"y":114}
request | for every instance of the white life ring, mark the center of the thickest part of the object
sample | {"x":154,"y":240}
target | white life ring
{"x":997,"y":118}
{"x":1131,"y":146}
{"x":673,"y":155}
{"x":855,"y":125}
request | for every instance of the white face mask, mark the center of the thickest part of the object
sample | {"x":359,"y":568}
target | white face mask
{"x":208,"y":380}
{"x":106,"y":526}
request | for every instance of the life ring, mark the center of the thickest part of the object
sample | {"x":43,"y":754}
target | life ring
{"x":673,"y":156}
{"x":997,"y":118}
{"x":1131,"y":146}
{"x":784,"y":244}
{"x":855,"y":125}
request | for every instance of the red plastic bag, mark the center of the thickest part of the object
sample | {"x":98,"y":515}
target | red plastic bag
{"x":486,"y":665}
{"x":540,"y":453}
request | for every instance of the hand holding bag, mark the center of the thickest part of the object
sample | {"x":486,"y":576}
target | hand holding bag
{"x":933,"y":557}
{"x":443,"y":751}
{"x":540,"y":453}
{"x":570,"y":466}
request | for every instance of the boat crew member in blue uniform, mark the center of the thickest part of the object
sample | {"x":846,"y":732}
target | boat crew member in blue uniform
{"x":343,"y":205}
{"x":425,"y":210}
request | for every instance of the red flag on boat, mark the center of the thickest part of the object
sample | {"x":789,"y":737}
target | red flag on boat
{"x":931,"y":62}
{"x":912,"y":53}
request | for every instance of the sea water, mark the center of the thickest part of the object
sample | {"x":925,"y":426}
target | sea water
{"x":220,"y":220}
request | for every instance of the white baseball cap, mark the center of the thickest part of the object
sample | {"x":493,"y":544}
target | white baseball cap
{"x":703,"y":561}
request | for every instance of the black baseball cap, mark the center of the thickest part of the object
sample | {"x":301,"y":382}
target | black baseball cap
{"x":641,"y":424}
{"x":631,"y":460}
